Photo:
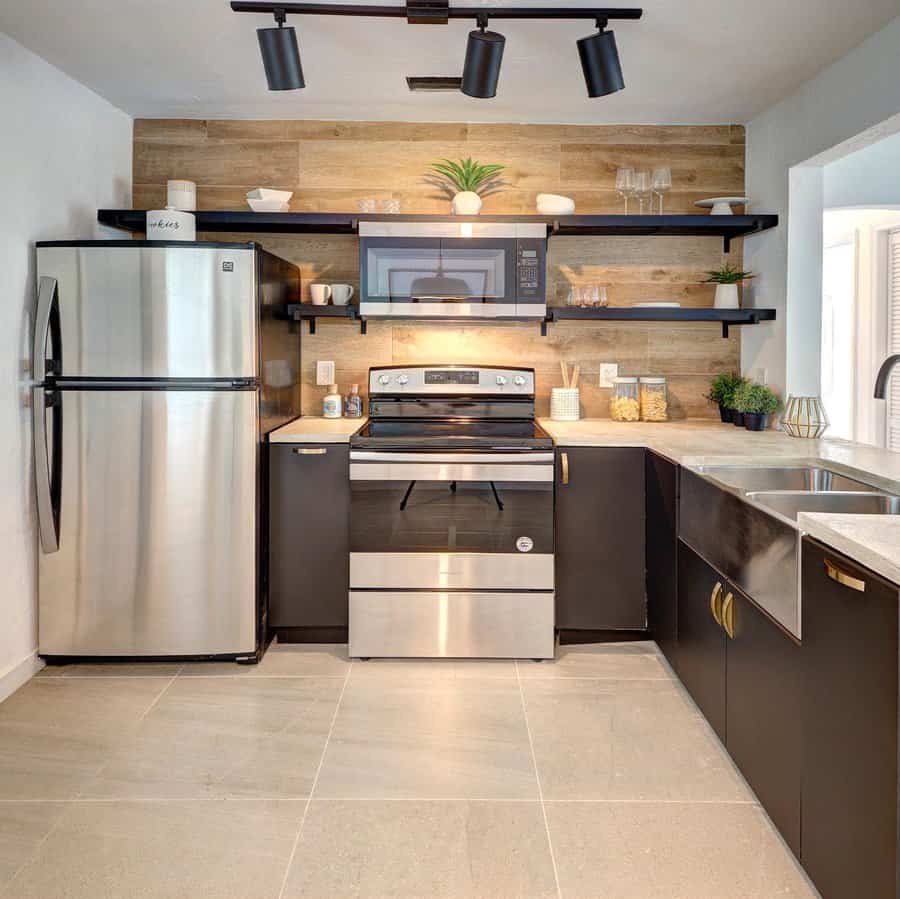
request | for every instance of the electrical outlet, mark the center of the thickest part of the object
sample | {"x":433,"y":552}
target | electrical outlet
{"x":608,"y":371}
{"x":324,"y":373}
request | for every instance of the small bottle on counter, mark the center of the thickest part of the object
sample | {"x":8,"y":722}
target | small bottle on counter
{"x":333,"y":403}
{"x":353,"y":407}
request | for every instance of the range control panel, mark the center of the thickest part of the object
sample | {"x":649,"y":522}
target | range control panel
{"x":451,"y":379}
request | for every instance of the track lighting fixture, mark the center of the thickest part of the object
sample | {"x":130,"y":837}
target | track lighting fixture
{"x":281,"y":55}
{"x":600,"y":62}
{"x":484,"y":53}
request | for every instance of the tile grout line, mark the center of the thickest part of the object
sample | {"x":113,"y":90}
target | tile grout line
{"x":312,"y":789}
{"x":537,"y":777}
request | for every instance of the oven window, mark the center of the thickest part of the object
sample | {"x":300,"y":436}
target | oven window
{"x":447,"y":516}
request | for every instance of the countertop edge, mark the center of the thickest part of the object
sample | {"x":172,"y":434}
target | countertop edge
{"x":314,"y":429}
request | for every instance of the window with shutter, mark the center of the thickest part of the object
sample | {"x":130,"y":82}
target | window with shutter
{"x":893,"y":398}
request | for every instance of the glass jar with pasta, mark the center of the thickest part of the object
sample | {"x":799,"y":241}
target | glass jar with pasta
{"x":624,"y":403}
{"x":654,"y":399}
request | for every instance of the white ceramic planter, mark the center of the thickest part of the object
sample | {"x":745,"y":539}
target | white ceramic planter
{"x":727,"y":296}
{"x":466,"y":202}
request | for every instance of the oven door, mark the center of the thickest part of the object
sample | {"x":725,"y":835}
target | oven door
{"x":458,"y":521}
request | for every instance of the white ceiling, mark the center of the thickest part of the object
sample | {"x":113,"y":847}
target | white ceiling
{"x":690,"y":61}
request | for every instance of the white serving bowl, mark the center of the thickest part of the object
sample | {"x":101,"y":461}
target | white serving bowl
{"x":266,"y":193}
{"x":553,"y":204}
{"x":268,"y":205}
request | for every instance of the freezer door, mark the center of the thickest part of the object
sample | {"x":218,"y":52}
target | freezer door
{"x":173,"y":311}
{"x":156,"y":526}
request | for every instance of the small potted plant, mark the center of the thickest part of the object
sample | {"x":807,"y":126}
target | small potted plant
{"x":470,"y":180}
{"x":757,"y":402}
{"x":726,"y":280}
{"x":721,"y":392}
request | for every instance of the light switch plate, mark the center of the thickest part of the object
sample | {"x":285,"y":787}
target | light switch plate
{"x":324,"y":373}
{"x":608,"y":371}
{"x":760,"y":375}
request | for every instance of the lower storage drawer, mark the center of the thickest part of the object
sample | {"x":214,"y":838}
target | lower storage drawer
{"x":435,"y":624}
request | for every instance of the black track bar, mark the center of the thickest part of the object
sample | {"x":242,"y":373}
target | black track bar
{"x":456,"y":12}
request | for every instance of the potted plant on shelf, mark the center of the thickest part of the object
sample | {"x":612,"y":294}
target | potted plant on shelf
{"x":757,"y":402}
{"x":726,"y":280}
{"x":721,"y":392}
{"x":471,"y":182}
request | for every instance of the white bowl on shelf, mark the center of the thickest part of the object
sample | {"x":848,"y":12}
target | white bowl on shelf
{"x":267,"y":193}
{"x":554,"y":204}
{"x":268,"y":205}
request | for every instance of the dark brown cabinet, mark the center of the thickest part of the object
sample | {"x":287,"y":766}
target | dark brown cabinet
{"x":309,"y":542}
{"x":600,"y":539}
{"x":850,"y":788}
{"x":661,"y":478}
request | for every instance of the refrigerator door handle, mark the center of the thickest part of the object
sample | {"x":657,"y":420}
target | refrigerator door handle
{"x":48,"y":475}
{"x":48,"y":295}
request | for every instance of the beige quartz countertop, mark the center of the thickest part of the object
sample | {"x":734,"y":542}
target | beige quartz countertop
{"x":314,"y":429}
{"x":872,"y":540}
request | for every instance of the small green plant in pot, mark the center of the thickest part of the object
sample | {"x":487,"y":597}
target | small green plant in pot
{"x":468,"y":181}
{"x":757,"y":402}
{"x":721,"y":392}
{"x":726,"y":280}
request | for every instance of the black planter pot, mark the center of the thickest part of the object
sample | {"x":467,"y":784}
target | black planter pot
{"x":737,"y":418}
{"x":725,"y":413}
{"x":755,"y":421}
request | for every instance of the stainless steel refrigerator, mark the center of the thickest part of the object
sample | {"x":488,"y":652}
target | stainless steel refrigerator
{"x":158,"y":369}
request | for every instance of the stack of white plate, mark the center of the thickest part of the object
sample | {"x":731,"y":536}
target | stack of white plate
{"x":264,"y":199}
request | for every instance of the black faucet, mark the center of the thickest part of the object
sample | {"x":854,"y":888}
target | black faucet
{"x":883,"y":374}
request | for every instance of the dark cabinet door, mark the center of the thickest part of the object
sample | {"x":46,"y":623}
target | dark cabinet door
{"x":764,"y":711}
{"x":600,"y":539}
{"x":662,"y":553}
{"x":849,"y":653}
{"x":701,"y":638}
{"x":309,"y":536}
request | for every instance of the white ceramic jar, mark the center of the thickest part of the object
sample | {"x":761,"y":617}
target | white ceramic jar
{"x":181,"y":195}
{"x":171,"y":224}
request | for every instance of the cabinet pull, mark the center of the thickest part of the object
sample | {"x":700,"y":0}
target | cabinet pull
{"x":310,"y":450}
{"x":564,"y":461}
{"x":728,"y":615}
{"x":846,"y":580}
{"x":715,"y":603}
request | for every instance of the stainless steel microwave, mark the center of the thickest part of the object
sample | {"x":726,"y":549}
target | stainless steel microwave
{"x":453,"y":269}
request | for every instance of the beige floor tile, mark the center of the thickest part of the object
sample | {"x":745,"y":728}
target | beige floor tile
{"x":23,"y":825}
{"x":55,"y":733}
{"x":399,"y":737}
{"x":113,"y":669}
{"x":163,"y":850}
{"x":629,"y":739}
{"x":631,"y":850}
{"x":412,"y":850}
{"x":431,"y":670}
{"x":224,"y":737}
{"x":287,"y":660}
{"x":639,"y":660}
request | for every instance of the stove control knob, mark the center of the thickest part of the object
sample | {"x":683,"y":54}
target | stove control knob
{"x":519,"y":381}
{"x":501,"y":380}
{"x":402,"y":380}
{"x":384,"y":379}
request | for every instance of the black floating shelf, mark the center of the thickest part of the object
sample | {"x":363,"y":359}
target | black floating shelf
{"x":726,"y":317}
{"x":310,"y":313}
{"x":728,"y":227}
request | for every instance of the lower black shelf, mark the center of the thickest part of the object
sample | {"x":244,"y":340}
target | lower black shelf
{"x":726,"y":317}
{"x":309,"y":312}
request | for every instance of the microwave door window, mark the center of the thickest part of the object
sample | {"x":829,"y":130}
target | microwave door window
{"x":391,"y":271}
{"x":483,"y":269}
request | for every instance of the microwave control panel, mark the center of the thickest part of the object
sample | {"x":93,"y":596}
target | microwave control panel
{"x":531,"y":255}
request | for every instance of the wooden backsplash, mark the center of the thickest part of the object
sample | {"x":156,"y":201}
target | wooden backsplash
{"x":331,"y":165}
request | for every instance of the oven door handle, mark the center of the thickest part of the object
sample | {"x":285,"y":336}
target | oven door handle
{"x":525,"y":457}
{"x":404,"y":472}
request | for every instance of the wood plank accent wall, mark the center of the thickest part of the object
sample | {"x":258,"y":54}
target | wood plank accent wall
{"x":331,"y":165}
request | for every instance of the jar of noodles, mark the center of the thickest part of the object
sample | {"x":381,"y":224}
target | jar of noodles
{"x":624,"y":404}
{"x":654,"y":399}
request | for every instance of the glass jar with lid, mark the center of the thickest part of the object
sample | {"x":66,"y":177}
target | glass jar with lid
{"x":654,"y":399}
{"x":624,"y":404}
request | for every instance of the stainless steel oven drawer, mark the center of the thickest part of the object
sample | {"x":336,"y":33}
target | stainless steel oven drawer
{"x":433,"y":624}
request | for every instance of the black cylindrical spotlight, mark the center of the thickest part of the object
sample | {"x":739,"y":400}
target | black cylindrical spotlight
{"x":481,"y":71}
{"x":281,"y":56}
{"x":600,"y":63}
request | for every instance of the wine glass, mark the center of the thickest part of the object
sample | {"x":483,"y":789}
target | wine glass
{"x":625,"y":184}
{"x":641,"y":189}
{"x":661,"y":183}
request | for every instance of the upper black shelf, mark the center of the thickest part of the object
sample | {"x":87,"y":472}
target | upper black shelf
{"x":728,"y":227}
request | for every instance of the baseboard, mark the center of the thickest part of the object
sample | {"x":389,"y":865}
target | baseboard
{"x":309,"y":634}
{"x":15,"y":675}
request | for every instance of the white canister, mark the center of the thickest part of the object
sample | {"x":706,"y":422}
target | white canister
{"x":171,"y":224}
{"x":565,"y":403}
{"x":181,"y":195}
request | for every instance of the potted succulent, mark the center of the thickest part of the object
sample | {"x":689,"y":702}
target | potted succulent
{"x":721,"y":392}
{"x":726,"y":280}
{"x":470,"y":180}
{"x":756,"y":402}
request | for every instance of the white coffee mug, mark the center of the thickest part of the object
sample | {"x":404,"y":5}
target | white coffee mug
{"x":341,"y":294}
{"x":320,"y":294}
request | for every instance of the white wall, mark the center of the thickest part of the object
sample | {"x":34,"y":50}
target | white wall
{"x":858,"y":92}
{"x":64,"y":152}
{"x":869,"y":177}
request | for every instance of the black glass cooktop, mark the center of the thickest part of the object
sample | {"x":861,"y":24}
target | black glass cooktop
{"x":512,"y":434}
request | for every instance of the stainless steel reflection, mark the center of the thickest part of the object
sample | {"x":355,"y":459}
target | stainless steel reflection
{"x":157,"y":549}
{"x":434,"y":624}
{"x":469,"y":458}
{"x":451,"y":570}
{"x":40,"y":445}
{"x":791,"y":504}
{"x":151,"y":311}
{"x":47,"y":296}
{"x":462,"y":470}
{"x":807,"y":478}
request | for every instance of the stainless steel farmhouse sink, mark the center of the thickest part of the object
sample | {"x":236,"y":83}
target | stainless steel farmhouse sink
{"x":791,"y":503}
{"x":814,"y":479}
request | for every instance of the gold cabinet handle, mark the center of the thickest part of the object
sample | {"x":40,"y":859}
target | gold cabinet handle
{"x":715,"y":603}
{"x":310,"y":450}
{"x":564,"y":461}
{"x":728,"y":615}
{"x":846,"y":580}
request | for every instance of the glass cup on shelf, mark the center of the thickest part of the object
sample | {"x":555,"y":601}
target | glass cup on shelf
{"x":661,"y":183}
{"x":642,"y":189}
{"x":391,"y":207}
{"x":573,"y":297}
{"x":625,"y":184}
{"x":602,"y":296}
{"x":366,"y":205}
